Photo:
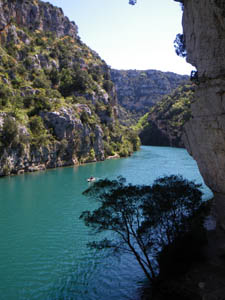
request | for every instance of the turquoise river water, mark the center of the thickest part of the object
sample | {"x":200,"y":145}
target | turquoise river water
{"x":43,"y":253}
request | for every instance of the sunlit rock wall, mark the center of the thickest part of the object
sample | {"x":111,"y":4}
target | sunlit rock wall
{"x":204,"y":31}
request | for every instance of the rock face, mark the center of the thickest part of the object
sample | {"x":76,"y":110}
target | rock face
{"x":204,"y":31}
{"x":58,"y":105}
{"x":36,"y":15}
{"x":76,"y":134}
{"x":72,"y":141}
{"x":165,"y":121}
{"x":139,"y":90}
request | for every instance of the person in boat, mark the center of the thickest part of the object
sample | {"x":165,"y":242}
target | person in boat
{"x":91,"y":178}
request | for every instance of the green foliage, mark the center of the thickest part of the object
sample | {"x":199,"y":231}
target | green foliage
{"x":5,"y":95}
{"x":17,"y":81}
{"x":144,"y":219}
{"x":11,"y":49}
{"x":21,"y":69}
{"x":41,"y":140}
{"x":41,"y":73}
{"x":41,"y":103}
{"x":40,"y":41}
{"x":84,"y":117}
{"x":163,"y":125}
{"x":108,"y":149}
{"x":74,"y":81}
{"x":36,"y":125}
{"x":9,"y":131}
{"x":133,"y":138}
{"x":54,"y":76}
{"x":63,"y":147}
{"x":120,"y":140}
{"x":137,"y":91}
{"x":108,"y":85}
{"x":41,"y":82}
{"x":142,"y":122}
{"x":92,"y":155}
{"x":28,"y":62}
{"x":11,"y":135}
{"x":20,"y":115}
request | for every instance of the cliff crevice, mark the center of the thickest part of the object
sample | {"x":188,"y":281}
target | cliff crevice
{"x":204,"y":31}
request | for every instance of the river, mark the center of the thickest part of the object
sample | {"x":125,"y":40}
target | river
{"x":43,"y":253}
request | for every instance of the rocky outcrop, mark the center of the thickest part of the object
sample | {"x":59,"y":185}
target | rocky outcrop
{"x":139,"y":90}
{"x":31,"y":159}
{"x":205,"y":48}
{"x":204,"y":31}
{"x":71,"y":144}
{"x":36,"y":15}
{"x":66,"y":126}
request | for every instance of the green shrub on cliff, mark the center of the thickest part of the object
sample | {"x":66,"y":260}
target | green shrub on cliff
{"x":36,"y":125}
{"x":9,"y":131}
{"x":41,"y":73}
{"x":5,"y":96}
{"x":163,"y":125}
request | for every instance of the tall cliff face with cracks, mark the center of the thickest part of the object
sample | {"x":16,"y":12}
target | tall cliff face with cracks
{"x":58,"y":106}
{"x":204,"y":137}
{"x":36,"y":15}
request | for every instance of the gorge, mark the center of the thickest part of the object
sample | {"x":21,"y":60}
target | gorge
{"x":52,"y":116}
{"x":58,"y":103}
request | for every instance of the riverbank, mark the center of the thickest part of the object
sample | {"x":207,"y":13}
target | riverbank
{"x":30,"y":167}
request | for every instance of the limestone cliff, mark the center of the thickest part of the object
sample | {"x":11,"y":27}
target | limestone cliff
{"x":139,"y":90}
{"x":204,"y":31}
{"x":58,"y":105}
{"x":36,"y":15}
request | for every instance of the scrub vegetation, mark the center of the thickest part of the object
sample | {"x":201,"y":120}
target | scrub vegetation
{"x":163,"y":124}
{"x":43,"y":73}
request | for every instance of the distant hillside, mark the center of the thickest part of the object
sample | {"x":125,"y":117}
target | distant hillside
{"x":137,"y":91}
{"x":163,"y":125}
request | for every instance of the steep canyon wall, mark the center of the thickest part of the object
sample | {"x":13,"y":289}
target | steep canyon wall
{"x":58,"y":106}
{"x":204,"y":137}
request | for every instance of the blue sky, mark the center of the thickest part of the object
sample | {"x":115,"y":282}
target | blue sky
{"x":130,"y":37}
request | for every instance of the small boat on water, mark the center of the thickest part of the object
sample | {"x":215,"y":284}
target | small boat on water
{"x":91,"y":179}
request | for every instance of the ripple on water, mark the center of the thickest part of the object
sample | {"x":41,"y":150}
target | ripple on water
{"x":43,"y":253}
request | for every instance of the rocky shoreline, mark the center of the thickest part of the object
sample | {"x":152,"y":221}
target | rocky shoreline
{"x":31,"y":167}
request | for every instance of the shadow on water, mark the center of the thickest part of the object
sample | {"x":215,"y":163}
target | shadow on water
{"x":43,"y":253}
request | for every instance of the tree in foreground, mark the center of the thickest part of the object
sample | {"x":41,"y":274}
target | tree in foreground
{"x":143,"y":219}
